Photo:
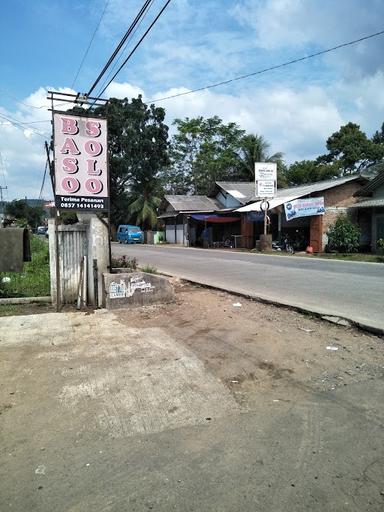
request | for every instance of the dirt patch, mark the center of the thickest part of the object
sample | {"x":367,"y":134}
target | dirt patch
{"x":4,"y":408}
{"x":257,"y":349}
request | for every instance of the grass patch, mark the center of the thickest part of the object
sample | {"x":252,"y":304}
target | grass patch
{"x":34,"y":280}
{"x":370,"y":258}
{"x":149,"y":269}
{"x":24,"y":309}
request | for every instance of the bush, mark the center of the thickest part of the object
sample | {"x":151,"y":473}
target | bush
{"x":380,"y":245}
{"x":124,"y":262}
{"x":343,"y":235}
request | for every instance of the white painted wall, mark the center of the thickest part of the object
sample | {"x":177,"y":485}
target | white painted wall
{"x":170,"y":234}
{"x":180,"y":234}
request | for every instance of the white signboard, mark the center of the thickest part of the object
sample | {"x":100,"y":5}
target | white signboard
{"x":266,"y":188}
{"x":265,"y":179}
{"x":304,"y":207}
{"x":265,"y":171}
{"x":81,"y":174}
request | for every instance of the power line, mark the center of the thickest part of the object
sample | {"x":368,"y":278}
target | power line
{"x":18,"y":124}
{"x":135,"y":48}
{"x":90,"y":44}
{"x":43,"y":182}
{"x":28,"y":104}
{"x":265,"y":70}
{"x":7,"y":93}
{"x":34,"y":122}
{"x":118,"y":60}
{"x":119,"y":46}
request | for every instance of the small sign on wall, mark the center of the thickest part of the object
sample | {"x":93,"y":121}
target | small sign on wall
{"x":81,"y":173}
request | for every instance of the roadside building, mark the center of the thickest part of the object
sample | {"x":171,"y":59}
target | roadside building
{"x":197,"y":220}
{"x":232,"y":212}
{"x":311,"y":230}
{"x":369,"y":210}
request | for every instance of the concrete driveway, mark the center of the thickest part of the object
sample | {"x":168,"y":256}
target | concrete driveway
{"x":350,"y":290}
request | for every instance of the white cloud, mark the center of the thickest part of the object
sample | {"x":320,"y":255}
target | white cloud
{"x":123,"y":90}
{"x":285,"y":24}
{"x":295,"y":122}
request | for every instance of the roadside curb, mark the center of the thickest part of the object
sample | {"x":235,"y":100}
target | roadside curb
{"x":332,"y":318}
{"x":24,"y":300}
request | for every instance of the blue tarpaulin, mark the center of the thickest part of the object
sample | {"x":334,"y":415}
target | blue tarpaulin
{"x":214,"y":218}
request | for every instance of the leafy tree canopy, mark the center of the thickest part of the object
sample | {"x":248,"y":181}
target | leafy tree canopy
{"x":254,"y":148}
{"x":202,"y":152}
{"x":309,"y":171}
{"x":378,"y":136}
{"x":352,"y":149}
{"x":23,"y":213}
{"x":138,"y":154}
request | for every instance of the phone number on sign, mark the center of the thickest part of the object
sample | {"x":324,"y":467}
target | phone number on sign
{"x":88,"y":206}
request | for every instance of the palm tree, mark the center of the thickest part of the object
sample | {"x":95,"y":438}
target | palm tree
{"x":254,"y":148}
{"x":144,"y":206}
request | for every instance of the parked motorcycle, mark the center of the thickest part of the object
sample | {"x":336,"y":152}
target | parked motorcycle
{"x":283,"y":245}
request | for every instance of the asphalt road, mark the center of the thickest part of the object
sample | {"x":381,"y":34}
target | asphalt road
{"x":354,"y":291}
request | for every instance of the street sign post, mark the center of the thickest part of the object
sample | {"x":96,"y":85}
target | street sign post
{"x":265,"y":186}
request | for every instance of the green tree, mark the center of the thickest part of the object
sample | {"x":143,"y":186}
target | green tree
{"x":144,"y":202}
{"x":309,"y":171}
{"x":254,"y":148}
{"x":24,"y":214}
{"x":343,"y":235}
{"x":352,"y":149}
{"x":378,"y":136}
{"x":202,"y":151}
{"x":138,"y":155}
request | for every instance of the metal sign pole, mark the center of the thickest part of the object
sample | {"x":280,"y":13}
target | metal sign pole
{"x":57,"y":250}
{"x":265,"y":222}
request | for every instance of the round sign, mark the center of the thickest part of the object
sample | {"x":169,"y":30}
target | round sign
{"x":264,"y":205}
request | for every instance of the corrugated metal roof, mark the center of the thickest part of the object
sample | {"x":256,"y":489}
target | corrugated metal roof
{"x":371,"y":186}
{"x":369,"y":203}
{"x":192,"y":203}
{"x":289,"y":194}
{"x":242,"y":191}
{"x":318,"y":186}
{"x":247,"y":189}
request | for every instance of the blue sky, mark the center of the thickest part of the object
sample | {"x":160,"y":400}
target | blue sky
{"x":194,"y":43}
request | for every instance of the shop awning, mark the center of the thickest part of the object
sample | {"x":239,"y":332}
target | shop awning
{"x":214,"y":218}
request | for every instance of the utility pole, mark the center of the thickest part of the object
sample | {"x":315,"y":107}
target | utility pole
{"x":2,"y":203}
{"x":1,"y":193}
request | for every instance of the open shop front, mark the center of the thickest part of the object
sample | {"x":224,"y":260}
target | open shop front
{"x":297,"y":220}
{"x":212,"y":230}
